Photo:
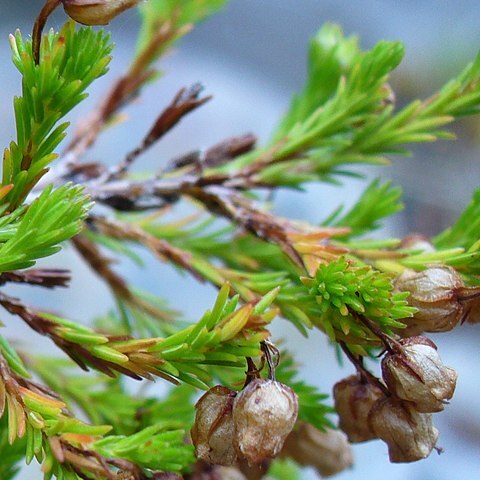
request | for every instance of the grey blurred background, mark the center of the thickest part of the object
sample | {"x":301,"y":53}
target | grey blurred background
{"x":252,"y":57}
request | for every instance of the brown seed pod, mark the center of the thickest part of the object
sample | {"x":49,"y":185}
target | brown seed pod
{"x":328,"y":452}
{"x":264,"y":414}
{"x":354,"y":399}
{"x":434,"y":291}
{"x":409,"y":435}
{"x":96,"y":12}
{"x":213,"y":430}
{"x":417,"y":374}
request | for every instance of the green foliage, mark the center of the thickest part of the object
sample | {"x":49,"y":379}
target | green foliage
{"x":159,"y":447}
{"x":12,"y":358}
{"x":164,"y":22}
{"x":223,"y":336}
{"x":345,"y":114}
{"x":377,"y":202}
{"x":464,"y":233}
{"x":10,"y":454}
{"x":284,"y":469}
{"x":106,"y":401}
{"x":345,"y":293}
{"x":70,"y":61}
{"x":35,"y":232}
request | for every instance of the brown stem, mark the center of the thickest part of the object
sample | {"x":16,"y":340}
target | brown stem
{"x":39,"y":25}
{"x":186,"y":100}
{"x":390,"y":343}
{"x":270,"y":350}
{"x":362,"y":370}
{"x":48,"y":278}
{"x":252,"y":371}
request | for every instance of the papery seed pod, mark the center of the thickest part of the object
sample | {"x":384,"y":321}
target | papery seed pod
{"x":354,"y":399}
{"x":203,"y":471}
{"x":96,"y":12}
{"x":434,"y":291}
{"x":409,"y":435}
{"x":416,"y":241}
{"x":213,"y":430}
{"x":328,"y":452}
{"x":417,"y":374}
{"x":472,"y":310}
{"x":264,"y":414}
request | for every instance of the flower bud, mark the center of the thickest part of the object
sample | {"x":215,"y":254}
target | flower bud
{"x":328,"y":452}
{"x":409,"y":435}
{"x":96,"y":12}
{"x":434,"y":292}
{"x":213,"y":429}
{"x":417,"y":374}
{"x":264,"y":414}
{"x":354,"y":399}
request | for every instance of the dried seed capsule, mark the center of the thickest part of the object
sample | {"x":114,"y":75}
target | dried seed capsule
{"x":417,"y":374}
{"x":354,"y":399}
{"x":264,"y":414}
{"x":212,"y":432}
{"x":96,"y":12}
{"x":203,"y":471}
{"x":409,"y":435}
{"x":434,"y":292}
{"x":328,"y":452}
{"x":416,"y":241}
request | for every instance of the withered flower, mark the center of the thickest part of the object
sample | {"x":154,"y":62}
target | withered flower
{"x":409,"y":435}
{"x":354,"y":399}
{"x":213,"y":429}
{"x":264,"y":414}
{"x":434,"y":291}
{"x":417,"y":374}
{"x":96,"y":12}
{"x":328,"y":452}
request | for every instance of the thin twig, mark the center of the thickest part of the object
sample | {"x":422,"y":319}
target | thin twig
{"x":47,"y":278}
{"x":100,"y":264}
{"x":186,"y":100}
{"x":39,"y":25}
{"x":362,"y":370}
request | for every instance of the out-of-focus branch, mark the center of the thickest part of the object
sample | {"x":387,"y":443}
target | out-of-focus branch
{"x":186,"y":100}
{"x":101,"y":266}
{"x":123,"y":91}
{"x":161,"y":248}
{"x":42,"y":277}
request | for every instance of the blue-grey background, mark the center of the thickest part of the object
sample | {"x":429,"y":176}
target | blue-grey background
{"x":252,"y":57}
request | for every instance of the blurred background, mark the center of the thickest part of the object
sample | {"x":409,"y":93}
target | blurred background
{"x":252,"y":57}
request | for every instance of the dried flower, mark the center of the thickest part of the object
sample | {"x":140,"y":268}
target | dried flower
{"x":417,"y":374}
{"x":264,"y":414}
{"x":213,"y":429}
{"x":410,"y":435}
{"x":354,"y":399}
{"x":96,"y":12}
{"x":328,"y":452}
{"x":434,"y":292}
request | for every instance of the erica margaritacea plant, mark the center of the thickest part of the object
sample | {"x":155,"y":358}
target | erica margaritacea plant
{"x":236,"y":407}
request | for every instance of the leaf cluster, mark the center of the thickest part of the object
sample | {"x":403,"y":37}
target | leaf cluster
{"x":70,"y":61}
{"x":345,"y":115}
{"x":345,"y":294}
{"x":35,"y":231}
